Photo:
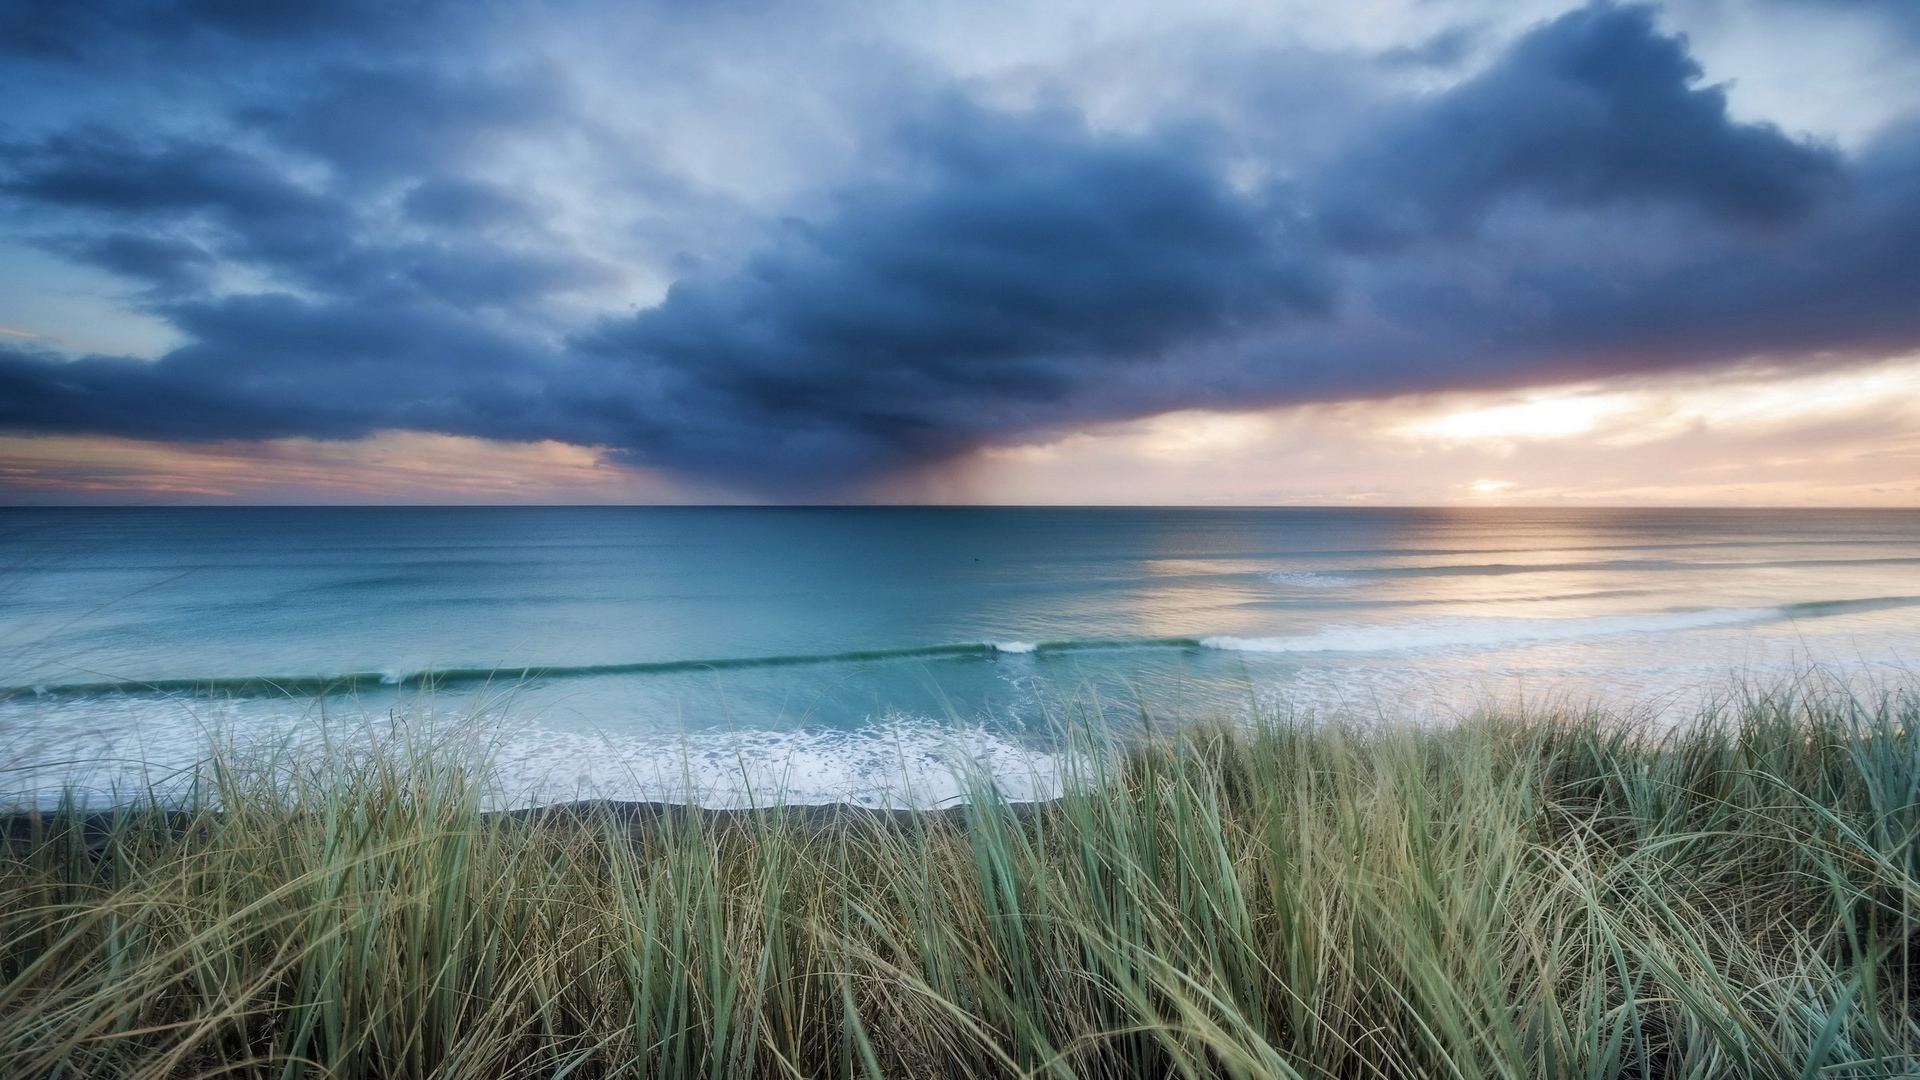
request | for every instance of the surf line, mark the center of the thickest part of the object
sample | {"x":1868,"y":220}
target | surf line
{"x":1387,"y":639}
{"x":347,"y":682}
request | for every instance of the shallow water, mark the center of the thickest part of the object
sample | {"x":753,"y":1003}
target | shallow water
{"x":810,"y":654}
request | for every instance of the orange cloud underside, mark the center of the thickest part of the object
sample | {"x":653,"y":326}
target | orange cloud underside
{"x":1848,"y":436}
{"x":1841,"y":437}
{"x":397,"y":467}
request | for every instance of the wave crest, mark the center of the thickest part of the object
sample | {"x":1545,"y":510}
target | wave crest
{"x":1476,"y":632}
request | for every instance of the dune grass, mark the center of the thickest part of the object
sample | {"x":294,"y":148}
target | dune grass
{"x":1550,"y":895}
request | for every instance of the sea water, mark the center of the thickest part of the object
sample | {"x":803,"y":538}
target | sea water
{"x":887,"y":655}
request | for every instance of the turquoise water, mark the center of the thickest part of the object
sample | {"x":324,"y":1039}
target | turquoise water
{"x":722,"y":654}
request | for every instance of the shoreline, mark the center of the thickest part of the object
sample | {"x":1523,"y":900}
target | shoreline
{"x":16,"y":826}
{"x":1559,"y":894}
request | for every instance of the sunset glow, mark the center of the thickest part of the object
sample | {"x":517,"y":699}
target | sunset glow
{"x":1537,"y":418}
{"x":1848,"y":438}
{"x":1106,"y":538}
{"x":1841,"y":439}
{"x":398,"y":467}
{"x":1453,"y":251}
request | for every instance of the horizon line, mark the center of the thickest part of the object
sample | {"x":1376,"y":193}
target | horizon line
{"x":932,"y":506}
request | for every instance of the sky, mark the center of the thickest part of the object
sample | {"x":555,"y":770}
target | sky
{"x":1387,"y":252}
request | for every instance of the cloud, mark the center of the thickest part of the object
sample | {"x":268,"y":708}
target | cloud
{"x":257,"y":213}
{"x":168,"y":265}
{"x":905,"y":329}
{"x":171,"y":201}
{"x":73,"y":32}
{"x":455,"y":203}
{"x":1902,"y":15}
{"x":98,"y":169}
{"x":395,"y":467}
{"x":341,"y":257}
{"x":380,"y":122}
{"x":1595,"y":108}
{"x":268,"y":365}
{"x":1020,"y":259}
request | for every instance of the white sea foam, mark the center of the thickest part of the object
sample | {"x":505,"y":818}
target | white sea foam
{"x":1013,"y":646}
{"x":1308,"y":579}
{"x":1480,"y":633}
{"x":118,"y":749}
{"x":902,"y":763}
{"x":558,"y":745}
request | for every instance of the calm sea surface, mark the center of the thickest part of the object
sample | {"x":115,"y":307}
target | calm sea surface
{"x":811,"y":654}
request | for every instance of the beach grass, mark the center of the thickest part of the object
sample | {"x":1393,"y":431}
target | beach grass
{"x":1555,"y":894}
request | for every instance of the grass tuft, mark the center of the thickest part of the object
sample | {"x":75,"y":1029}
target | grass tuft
{"x":1553,"y":895}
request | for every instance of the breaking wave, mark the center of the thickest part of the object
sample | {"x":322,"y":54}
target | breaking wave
{"x":1427,"y":634}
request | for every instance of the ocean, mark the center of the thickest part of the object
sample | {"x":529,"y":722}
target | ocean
{"x":886,"y":655}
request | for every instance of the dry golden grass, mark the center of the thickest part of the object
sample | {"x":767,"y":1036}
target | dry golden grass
{"x":1554,"y":896}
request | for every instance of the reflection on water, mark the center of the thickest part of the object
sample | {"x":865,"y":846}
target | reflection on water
{"x":849,"y":632}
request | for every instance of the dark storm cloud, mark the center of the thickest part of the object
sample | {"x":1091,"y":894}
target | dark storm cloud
{"x":1583,"y":205}
{"x":60,"y":31}
{"x":1595,"y":109}
{"x":1844,"y":285}
{"x":422,"y":119}
{"x":1113,"y":279}
{"x":103,"y":170}
{"x":168,"y":265}
{"x":255,"y":216}
{"x":1020,"y":260}
{"x":269,"y":365}
{"x":155,"y":195}
{"x":453,"y":203}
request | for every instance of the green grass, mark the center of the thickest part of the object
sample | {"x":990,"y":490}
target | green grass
{"x":1549,"y":895}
